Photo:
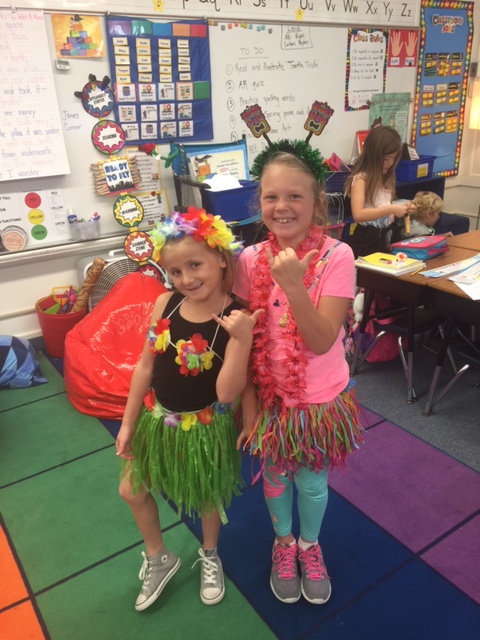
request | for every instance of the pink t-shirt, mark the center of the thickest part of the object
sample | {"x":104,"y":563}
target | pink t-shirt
{"x":326,"y":375}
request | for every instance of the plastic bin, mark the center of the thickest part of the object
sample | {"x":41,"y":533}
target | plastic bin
{"x":232,"y":204}
{"x":89,"y":230}
{"x":335,"y":181}
{"x":55,"y":326}
{"x":410,"y":170}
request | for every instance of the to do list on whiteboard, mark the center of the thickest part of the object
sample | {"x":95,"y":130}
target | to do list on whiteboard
{"x":31,"y":136}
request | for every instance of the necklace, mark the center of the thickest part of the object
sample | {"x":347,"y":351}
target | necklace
{"x":193,"y":355}
{"x":294,"y":360}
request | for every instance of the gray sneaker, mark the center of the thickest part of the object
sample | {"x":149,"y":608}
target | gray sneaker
{"x":316,"y":586}
{"x":284,"y":579}
{"x":156,"y":571}
{"x":212,"y":586}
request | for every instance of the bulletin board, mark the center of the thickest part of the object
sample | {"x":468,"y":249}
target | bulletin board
{"x":161,"y":75}
{"x":282,"y":67}
{"x":446,"y":36}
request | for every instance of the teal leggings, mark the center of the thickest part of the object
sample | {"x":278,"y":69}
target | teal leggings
{"x":312,"y":500}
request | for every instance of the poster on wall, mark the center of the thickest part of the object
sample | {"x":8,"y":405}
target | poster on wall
{"x":446,"y":33}
{"x":77,"y":36}
{"x":31,"y":135}
{"x":366,"y":67}
{"x":32,"y":218}
{"x":162,"y":79}
{"x":391,"y":110}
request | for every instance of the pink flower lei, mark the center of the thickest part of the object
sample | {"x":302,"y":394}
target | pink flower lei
{"x":295,"y":361}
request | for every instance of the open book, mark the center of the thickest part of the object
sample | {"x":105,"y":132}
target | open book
{"x":388,"y":263}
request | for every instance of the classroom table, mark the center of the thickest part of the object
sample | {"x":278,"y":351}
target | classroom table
{"x":415,"y":290}
{"x":470,"y":240}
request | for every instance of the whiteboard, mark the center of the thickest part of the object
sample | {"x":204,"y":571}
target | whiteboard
{"x":31,"y":136}
{"x":284,"y":69}
{"x":379,"y":13}
{"x":313,"y":70}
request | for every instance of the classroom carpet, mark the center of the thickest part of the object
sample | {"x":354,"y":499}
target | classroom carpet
{"x":400,"y":540}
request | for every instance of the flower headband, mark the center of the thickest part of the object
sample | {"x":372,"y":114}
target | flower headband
{"x":200,"y":225}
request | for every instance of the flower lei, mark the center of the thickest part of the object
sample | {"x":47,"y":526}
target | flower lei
{"x":295,"y":360}
{"x":193,"y":355}
{"x":199,"y":224}
{"x":184,"y":420}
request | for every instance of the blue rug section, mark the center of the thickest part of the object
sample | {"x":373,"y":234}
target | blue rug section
{"x":112,"y":426}
{"x":413,"y":603}
{"x":375,"y":579}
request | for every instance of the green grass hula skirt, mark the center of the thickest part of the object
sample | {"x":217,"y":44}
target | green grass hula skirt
{"x":195,"y":465}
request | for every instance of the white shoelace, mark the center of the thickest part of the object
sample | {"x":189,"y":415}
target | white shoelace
{"x":209,"y":569}
{"x":146,"y":570}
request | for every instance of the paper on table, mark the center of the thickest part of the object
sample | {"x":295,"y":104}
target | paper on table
{"x":451,"y":268}
{"x":468,"y":276}
{"x":472,"y":290}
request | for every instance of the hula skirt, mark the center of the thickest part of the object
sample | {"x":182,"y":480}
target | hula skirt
{"x":311,"y":435}
{"x":193,"y":464}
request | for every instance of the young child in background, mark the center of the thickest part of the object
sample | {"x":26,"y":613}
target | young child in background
{"x":371,"y":188}
{"x":428,"y":206}
{"x":177,"y":434}
{"x":300,"y":412}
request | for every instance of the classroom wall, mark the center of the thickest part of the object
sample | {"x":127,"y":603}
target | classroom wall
{"x":24,"y":278}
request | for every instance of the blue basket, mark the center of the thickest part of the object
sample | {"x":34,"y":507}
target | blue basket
{"x":411,"y":170}
{"x":232,"y":204}
{"x":335,"y":181}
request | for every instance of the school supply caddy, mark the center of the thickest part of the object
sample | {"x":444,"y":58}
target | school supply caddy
{"x":395,"y":265}
{"x":421,"y":247}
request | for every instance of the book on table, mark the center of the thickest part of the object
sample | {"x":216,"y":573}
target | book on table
{"x":388,"y":263}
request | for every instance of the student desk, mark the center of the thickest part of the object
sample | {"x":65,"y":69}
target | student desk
{"x":470,"y":240}
{"x":414,"y":290}
{"x":454,"y":304}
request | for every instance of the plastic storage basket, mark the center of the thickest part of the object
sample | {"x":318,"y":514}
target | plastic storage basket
{"x":232,"y":204}
{"x":335,"y":181}
{"x":410,"y":170}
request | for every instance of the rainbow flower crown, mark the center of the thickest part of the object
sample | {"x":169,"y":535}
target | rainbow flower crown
{"x":201,"y":225}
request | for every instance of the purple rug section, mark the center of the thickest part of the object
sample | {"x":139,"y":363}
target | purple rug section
{"x":369,"y":418}
{"x":409,"y":488}
{"x":457,"y":558}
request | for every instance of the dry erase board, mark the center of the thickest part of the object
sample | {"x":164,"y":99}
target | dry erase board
{"x":381,"y":13}
{"x":283,"y":68}
{"x":31,"y":135}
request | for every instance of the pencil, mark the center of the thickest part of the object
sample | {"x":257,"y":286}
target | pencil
{"x":417,"y":271}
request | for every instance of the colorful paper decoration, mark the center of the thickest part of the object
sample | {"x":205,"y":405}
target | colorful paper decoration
{"x":128,"y":211}
{"x":97,"y":98}
{"x":108,"y":137}
{"x":138,"y":246}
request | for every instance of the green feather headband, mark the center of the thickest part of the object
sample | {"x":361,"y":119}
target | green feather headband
{"x":310,"y":156}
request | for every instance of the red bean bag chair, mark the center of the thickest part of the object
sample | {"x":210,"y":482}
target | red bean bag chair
{"x":102,"y":349}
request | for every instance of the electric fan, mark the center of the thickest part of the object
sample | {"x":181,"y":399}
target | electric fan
{"x":116,"y":269}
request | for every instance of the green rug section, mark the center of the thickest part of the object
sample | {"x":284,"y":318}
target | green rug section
{"x":11,"y":398}
{"x":43,"y":434}
{"x":71,"y":517}
{"x":99,"y":604}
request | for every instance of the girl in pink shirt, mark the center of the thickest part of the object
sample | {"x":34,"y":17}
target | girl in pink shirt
{"x":300,"y":413}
